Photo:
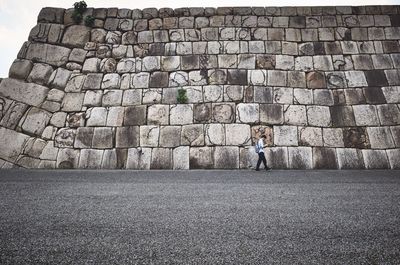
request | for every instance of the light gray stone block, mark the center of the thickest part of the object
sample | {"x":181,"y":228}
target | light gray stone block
{"x":237,"y":134}
{"x":149,"y":135}
{"x":76,"y":36}
{"x":318,"y":116}
{"x":139,"y":158}
{"x":375,"y":159}
{"x":226,"y":157}
{"x":181,"y":158}
{"x":93,"y":98}
{"x":192,"y":135}
{"x":310,"y":136}
{"x":365,"y":115}
{"x":47,"y":53}
{"x":214,"y":134}
{"x":12,"y":144}
{"x":67,"y":158}
{"x":247,"y":113}
{"x":158,"y":114}
{"x":285,"y":135}
{"x":96,"y":116}
{"x":27,"y":93}
{"x":40,"y":74}
{"x":380,"y":137}
{"x":295,"y":115}
{"x":394,"y":158}
{"x":20,"y":69}
{"x":90,"y":159}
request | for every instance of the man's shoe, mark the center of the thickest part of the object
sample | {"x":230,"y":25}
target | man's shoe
{"x":268,"y":169}
{"x":257,"y":169}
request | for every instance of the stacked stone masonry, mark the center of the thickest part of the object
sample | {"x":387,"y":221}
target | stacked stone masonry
{"x":322,"y":83}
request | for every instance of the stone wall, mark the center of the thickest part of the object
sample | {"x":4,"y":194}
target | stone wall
{"x":322,"y":83}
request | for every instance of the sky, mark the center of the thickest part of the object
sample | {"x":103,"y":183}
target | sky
{"x":18,"y":17}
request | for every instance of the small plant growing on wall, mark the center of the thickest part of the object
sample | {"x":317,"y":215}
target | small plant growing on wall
{"x":89,"y":21}
{"x":181,"y":98}
{"x":79,"y":9}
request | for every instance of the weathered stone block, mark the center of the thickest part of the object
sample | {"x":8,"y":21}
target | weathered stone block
{"x":300,"y":157}
{"x":181,"y":114}
{"x":76,"y":36}
{"x":226,"y":157}
{"x":316,"y":80}
{"x":365,"y":115}
{"x":283,"y":95}
{"x":276,"y":78}
{"x":296,"y":79}
{"x":127,"y":137}
{"x":135,"y":115}
{"x":389,"y":114}
{"x":139,"y":158}
{"x":27,"y":93}
{"x":111,"y":81}
{"x":394,"y":158}
{"x":302,"y":96}
{"x":103,"y":138}
{"x":178,"y":79}
{"x":84,"y":137}
{"x":159,"y":79}
{"x":380,"y":137}
{"x":181,"y":158}
{"x":12,"y":144}
{"x":40,"y":73}
{"x":277,"y":157}
{"x":126,"y":65}
{"x":170,"y":136}
{"x":47,"y":53}
{"x":324,"y":158}
{"x":90,"y":159}
{"x":112,"y":98}
{"x":247,"y":113}
{"x":237,"y":134}
{"x":285,"y":135}
{"x":51,"y":15}
{"x":161,"y":158}
{"x":152,"y":96}
{"x":65,"y":137}
{"x":342,"y":116}
{"x":214,"y":134}
{"x":356,"y":137}
{"x":271,"y":113}
{"x":295,"y":115}
{"x":92,"y":98}
{"x":202,"y":113}
{"x":68,"y":158}
{"x":310,"y":136}
{"x":356,"y":79}
{"x":318,"y":116}
{"x":223,"y":112}
{"x":20,"y":69}
{"x":201,"y":158}
{"x":375,"y":159}
{"x":192,"y":135}
{"x":96,"y":116}
{"x":149,"y":136}
{"x":36,"y":120}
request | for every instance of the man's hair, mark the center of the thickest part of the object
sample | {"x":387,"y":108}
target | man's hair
{"x":263,"y":136}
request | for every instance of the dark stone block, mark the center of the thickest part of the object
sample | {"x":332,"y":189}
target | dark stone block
{"x":103,"y":138}
{"x":358,"y":10}
{"x":265,"y":62}
{"x":395,"y":20}
{"x":324,"y":158}
{"x":156,"y":49}
{"x":350,"y":159}
{"x":84,"y":137}
{"x":201,"y":158}
{"x":278,"y":158}
{"x":248,"y":94}
{"x":159,"y":79}
{"x":271,"y":113}
{"x":263,"y":94}
{"x":389,"y":114}
{"x":339,"y":97}
{"x":395,"y":130}
{"x":122,"y":157}
{"x":127,"y":137}
{"x":356,"y":137}
{"x":390,"y":46}
{"x":342,"y":116}
{"x":93,"y":81}
{"x":51,"y":15}
{"x":374,"y":95}
{"x":376,"y":78}
{"x":190,"y":62}
{"x":202,"y":113}
{"x":354,"y":96}
{"x":319,"y":48}
{"x":161,"y":158}
{"x":333,"y":47}
{"x":135,"y":115}
{"x":297,"y":22}
{"x":376,"y":159}
{"x":13,"y":114}
{"x":237,"y":77}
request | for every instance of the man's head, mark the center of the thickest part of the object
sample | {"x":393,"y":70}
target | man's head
{"x":263,"y":136}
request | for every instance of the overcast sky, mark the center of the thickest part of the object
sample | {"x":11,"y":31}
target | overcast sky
{"x":17,"y":17}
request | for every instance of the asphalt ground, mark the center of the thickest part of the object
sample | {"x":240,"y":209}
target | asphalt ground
{"x":199,"y":217}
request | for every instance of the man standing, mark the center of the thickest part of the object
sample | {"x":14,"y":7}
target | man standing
{"x":261,"y":155}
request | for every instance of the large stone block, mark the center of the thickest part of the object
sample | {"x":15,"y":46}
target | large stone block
{"x":214,"y":134}
{"x":389,"y":114}
{"x":84,"y":137}
{"x":149,"y":136}
{"x":380,"y":137}
{"x":375,"y":159}
{"x":324,"y":158}
{"x":192,"y":135}
{"x":51,"y":15}
{"x":318,"y":116}
{"x":226,"y":157}
{"x":68,"y":158}
{"x":161,"y":158}
{"x":36,"y":120}
{"x":12,"y":144}
{"x":202,"y":113}
{"x":350,"y":158}
{"x":40,"y":74}
{"x":135,"y":115}
{"x":285,"y":135}
{"x":238,"y":134}
{"x":138,"y":158}
{"x":356,"y":137}
{"x":115,"y":116}
{"x":28,"y":93}
{"x":65,"y":137}
{"x":90,"y":159}
{"x":342,"y":116}
{"x":76,"y":36}
{"x":127,"y":137}
{"x":271,"y":113}
{"x":103,"y":138}
{"x":394,"y":158}
{"x":96,"y":116}
{"x":333,"y":137}
{"x":20,"y":69}
{"x":170,"y":136}
{"x":181,"y":158}
{"x":110,"y":159}
{"x":47,"y":53}
{"x":365,"y":115}
{"x":181,"y":114}
{"x":262,"y":94}
{"x":295,"y":115}
{"x":247,"y":113}
{"x":201,"y":158}
{"x":158,"y":114}
{"x":310,"y":136}
{"x":12,"y":115}
{"x":300,"y":157}
{"x":277,"y":157}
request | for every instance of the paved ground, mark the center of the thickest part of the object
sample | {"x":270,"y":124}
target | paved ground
{"x":200,"y":217}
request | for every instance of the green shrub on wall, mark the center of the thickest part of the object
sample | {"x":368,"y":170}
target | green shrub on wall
{"x":79,"y":9}
{"x":181,"y":98}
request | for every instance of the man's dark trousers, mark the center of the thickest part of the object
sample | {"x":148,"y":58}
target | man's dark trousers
{"x":261,"y":157}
